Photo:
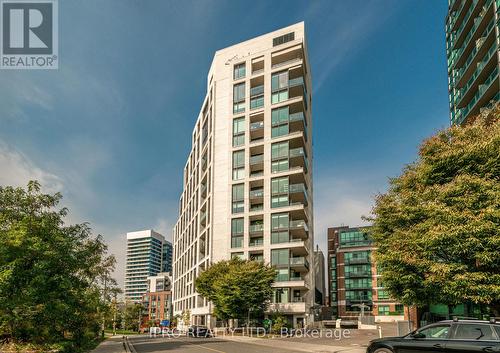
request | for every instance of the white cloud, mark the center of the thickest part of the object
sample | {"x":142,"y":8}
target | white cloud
{"x":17,"y":170}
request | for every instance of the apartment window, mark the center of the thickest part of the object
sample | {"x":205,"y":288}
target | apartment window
{"x":279,"y":157}
{"x":238,"y":165}
{"x":355,"y":238}
{"x":237,"y":233}
{"x":357,"y":257}
{"x":279,"y":87}
{"x":383,"y":310}
{"x":284,"y":39}
{"x":364,"y":295}
{"x":279,"y":228}
{"x":279,"y":121}
{"x":238,"y":198}
{"x":281,"y":295}
{"x":282,"y":274}
{"x":280,"y":257}
{"x":360,"y":283}
{"x":239,"y":98}
{"x":279,"y":192}
{"x":357,"y":270}
{"x":383,"y":294}
{"x":238,"y":132}
{"x":400,"y":310}
{"x":257,"y":97}
{"x":239,"y":71}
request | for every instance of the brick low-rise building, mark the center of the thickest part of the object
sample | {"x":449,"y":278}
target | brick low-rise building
{"x":354,"y":282}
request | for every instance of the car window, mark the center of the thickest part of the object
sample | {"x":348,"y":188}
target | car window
{"x":497,"y":329}
{"x":474,"y":332}
{"x":438,"y":331}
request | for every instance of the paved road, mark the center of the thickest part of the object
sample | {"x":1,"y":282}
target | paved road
{"x":145,"y":344}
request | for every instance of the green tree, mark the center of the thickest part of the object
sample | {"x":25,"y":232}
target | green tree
{"x":51,"y":274}
{"x":437,"y":228}
{"x":237,"y":288}
{"x":132,"y":314}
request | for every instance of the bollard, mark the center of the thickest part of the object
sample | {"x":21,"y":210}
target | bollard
{"x":379,"y":328}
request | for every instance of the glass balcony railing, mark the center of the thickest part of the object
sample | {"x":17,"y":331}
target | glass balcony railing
{"x":257,"y":193}
{"x":256,"y":102}
{"x":259,"y":158}
{"x":477,"y":72}
{"x":299,"y":224}
{"x":257,"y":91}
{"x":299,"y":261}
{"x":299,"y":116}
{"x":466,"y":18}
{"x":298,"y":299}
{"x":296,"y":278}
{"x":297,"y":188}
{"x":256,"y":228}
{"x":256,"y":242}
{"x":256,"y":125}
{"x":296,"y":81}
{"x":358,"y":274}
{"x":297,"y":152}
{"x":356,"y":261}
{"x":473,"y":53}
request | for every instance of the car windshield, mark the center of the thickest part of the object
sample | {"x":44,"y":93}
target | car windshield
{"x":438,"y":331}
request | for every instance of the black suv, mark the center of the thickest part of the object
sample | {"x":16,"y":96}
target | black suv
{"x":457,"y":336}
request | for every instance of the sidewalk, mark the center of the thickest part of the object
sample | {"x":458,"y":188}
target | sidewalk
{"x":296,"y":346}
{"x":110,"y":345}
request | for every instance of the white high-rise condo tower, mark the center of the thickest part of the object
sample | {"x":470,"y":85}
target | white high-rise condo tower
{"x":248,"y":179}
{"x":148,"y":253}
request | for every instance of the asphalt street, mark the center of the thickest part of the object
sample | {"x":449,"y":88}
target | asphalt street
{"x":146,"y":344}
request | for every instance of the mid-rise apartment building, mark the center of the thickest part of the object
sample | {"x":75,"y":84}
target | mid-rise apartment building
{"x":472,"y":43}
{"x":248,"y":178}
{"x":147,"y":255}
{"x":319,"y":277}
{"x":157,"y":301}
{"x":355,"y":285}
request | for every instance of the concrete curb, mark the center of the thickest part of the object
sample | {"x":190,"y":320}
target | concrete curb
{"x":129,"y":347}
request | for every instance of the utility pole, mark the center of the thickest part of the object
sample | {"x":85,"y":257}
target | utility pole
{"x":114,"y":315}
{"x":103,"y":326}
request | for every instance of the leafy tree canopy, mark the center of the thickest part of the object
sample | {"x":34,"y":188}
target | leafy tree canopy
{"x":438,"y":227}
{"x":237,"y":287}
{"x":52,"y":275}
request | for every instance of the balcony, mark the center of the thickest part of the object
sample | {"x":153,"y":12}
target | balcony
{"x":257,"y":241}
{"x":298,"y":307}
{"x":256,"y":126}
{"x":257,"y":162}
{"x":257,"y":228}
{"x":358,"y":274}
{"x":465,"y":22}
{"x":357,"y":261}
{"x":299,"y":228}
{"x":299,"y":263}
{"x":257,"y":91}
{"x":292,"y":282}
{"x":298,"y":194}
{"x":257,"y":193}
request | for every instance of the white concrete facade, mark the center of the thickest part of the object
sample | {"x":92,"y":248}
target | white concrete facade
{"x":248,"y":179}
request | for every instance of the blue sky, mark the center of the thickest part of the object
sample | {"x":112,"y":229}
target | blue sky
{"x":111,"y":129}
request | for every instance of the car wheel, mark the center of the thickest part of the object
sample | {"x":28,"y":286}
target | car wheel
{"x":383,"y":350}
